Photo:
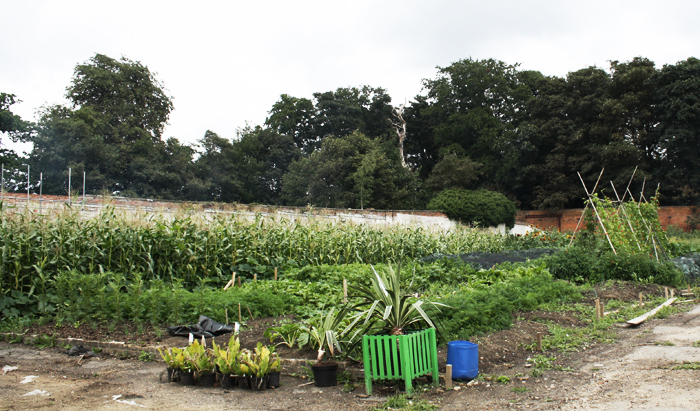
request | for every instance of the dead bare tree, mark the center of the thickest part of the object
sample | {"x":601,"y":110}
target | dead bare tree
{"x":400,"y":126}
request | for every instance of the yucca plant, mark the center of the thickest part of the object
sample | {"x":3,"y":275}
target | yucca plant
{"x":384,"y":302}
{"x":325,"y":333}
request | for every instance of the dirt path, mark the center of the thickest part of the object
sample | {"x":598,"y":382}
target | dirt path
{"x":633,"y":373}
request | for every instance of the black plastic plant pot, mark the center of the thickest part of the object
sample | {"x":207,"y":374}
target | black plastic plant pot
{"x":244,"y":382}
{"x":228,"y":381}
{"x":187,"y":377}
{"x":207,"y":379}
{"x":172,"y":374}
{"x":325,"y":375}
{"x":273,"y":379}
{"x":258,"y":383}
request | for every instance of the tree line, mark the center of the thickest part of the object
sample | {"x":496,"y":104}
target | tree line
{"x":478,"y":124}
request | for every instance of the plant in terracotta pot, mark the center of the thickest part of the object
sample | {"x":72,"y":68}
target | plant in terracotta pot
{"x":227,"y":360}
{"x":258,"y":366}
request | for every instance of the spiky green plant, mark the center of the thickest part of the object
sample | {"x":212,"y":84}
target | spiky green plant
{"x":385,"y":303}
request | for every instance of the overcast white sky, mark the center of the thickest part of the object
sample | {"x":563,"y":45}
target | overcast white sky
{"x":227,"y":62}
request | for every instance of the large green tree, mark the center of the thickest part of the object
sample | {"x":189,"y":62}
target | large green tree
{"x":112,"y":132}
{"x":352,"y":171}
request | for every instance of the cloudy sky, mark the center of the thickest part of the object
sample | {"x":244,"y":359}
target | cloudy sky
{"x":226,"y":62}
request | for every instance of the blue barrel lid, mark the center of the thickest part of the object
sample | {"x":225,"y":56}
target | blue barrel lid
{"x":461,"y":344}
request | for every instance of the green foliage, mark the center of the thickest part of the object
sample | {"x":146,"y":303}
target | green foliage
{"x":581,"y":264}
{"x":146,"y":356}
{"x":520,"y":390}
{"x":543,"y":362}
{"x":404,"y":402}
{"x":480,"y":207}
{"x":502,"y":379}
{"x":481,"y":309}
{"x":386,"y":304}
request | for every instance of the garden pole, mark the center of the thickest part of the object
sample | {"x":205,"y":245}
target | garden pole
{"x":590,"y":199}
{"x":585,"y":208}
{"x":627,"y":218}
{"x":41,"y":189}
{"x":448,"y":376}
{"x":345,"y":291}
{"x":239,"y":313}
{"x":27,"y":186}
{"x":275,"y":273}
{"x":69,"y":184}
{"x":629,"y":184}
{"x":538,"y":337}
{"x":2,"y":184}
{"x":83,"y":188}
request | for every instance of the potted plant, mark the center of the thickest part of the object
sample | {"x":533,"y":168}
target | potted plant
{"x":407,"y":354}
{"x":187,"y":360}
{"x":172,"y":361}
{"x":273,"y":378}
{"x":201,"y":361}
{"x":227,"y":360}
{"x":324,"y":335}
{"x":258,"y":366}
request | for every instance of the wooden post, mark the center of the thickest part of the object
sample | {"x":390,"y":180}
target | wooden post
{"x":666,"y":293}
{"x":226,"y":311}
{"x":275,"y":273}
{"x":448,"y":376}
{"x":251,"y":314}
{"x":602,"y":309}
{"x":538,"y":336}
{"x":255,"y":277}
{"x":640,"y":300}
{"x":597,"y":309}
{"x":345,"y":290}
{"x":239,"y":313}
{"x":672,"y":292}
{"x":239,"y":281}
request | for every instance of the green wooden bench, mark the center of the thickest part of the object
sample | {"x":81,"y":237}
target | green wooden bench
{"x":400,"y":357}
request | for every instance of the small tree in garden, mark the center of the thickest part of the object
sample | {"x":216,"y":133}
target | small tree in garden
{"x":481,"y":207}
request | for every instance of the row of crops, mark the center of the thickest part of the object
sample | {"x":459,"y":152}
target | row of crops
{"x":149,"y":270}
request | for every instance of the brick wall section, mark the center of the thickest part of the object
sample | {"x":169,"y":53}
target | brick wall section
{"x":566,"y":220}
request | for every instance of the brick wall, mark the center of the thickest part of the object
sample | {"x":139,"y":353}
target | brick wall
{"x":566,"y":220}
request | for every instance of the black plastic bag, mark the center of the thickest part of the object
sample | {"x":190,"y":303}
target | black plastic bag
{"x":206,"y":327}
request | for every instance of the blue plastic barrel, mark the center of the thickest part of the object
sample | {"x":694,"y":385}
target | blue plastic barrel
{"x":464,"y":358}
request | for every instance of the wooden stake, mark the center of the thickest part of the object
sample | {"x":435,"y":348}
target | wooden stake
{"x":226,"y":311}
{"x":602,"y":309}
{"x":239,"y":281}
{"x":666,"y":293}
{"x":239,"y":313}
{"x":255,"y":277}
{"x":538,"y":336}
{"x":597,"y":309}
{"x":345,"y":290}
{"x":672,"y":292}
{"x":251,"y":314}
{"x":448,"y":376}
{"x":275,"y":273}
{"x":640,"y":300}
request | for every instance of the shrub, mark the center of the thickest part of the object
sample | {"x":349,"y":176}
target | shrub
{"x":581,"y":264}
{"x":481,"y":207}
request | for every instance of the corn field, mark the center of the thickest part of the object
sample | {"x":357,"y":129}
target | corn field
{"x":35,"y":249}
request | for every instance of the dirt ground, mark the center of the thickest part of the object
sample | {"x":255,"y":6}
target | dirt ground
{"x":631,"y":373}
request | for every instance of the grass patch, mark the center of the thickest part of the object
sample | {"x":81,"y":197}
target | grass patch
{"x":696,"y":344}
{"x":520,"y":390}
{"x":502,"y":379}
{"x":404,"y":402}
{"x":665,"y":343}
{"x":687,"y":366}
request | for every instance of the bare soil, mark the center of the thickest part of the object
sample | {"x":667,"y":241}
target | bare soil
{"x":632,"y":373}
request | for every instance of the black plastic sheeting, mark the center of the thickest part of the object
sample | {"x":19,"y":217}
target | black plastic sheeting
{"x":690,"y":265}
{"x":480,"y":260}
{"x":206,"y":327}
